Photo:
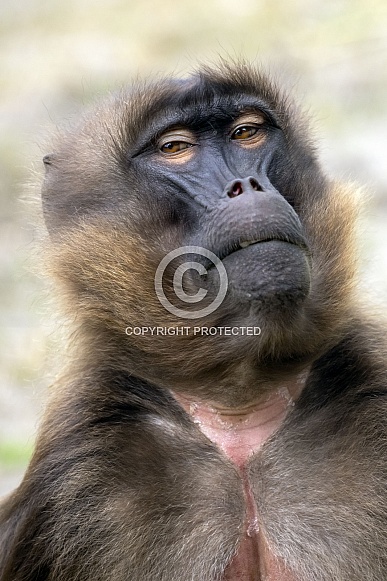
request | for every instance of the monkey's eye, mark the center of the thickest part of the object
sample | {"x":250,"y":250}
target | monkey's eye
{"x":244,"y":132}
{"x":177,"y":143}
{"x":171,"y":147}
{"x":248,"y":129}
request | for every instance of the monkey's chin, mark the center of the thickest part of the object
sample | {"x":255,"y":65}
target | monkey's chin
{"x":271,"y":274}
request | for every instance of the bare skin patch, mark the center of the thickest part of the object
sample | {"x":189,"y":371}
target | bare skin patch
{"x":240,"y":433}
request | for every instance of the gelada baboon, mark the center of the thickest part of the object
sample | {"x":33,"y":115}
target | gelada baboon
{"x":185,"y":442}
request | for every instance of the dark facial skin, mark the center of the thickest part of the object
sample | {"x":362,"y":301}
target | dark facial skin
{"x":220,"y":169}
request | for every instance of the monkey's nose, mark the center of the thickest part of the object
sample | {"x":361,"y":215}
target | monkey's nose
{"x":238,"y":187}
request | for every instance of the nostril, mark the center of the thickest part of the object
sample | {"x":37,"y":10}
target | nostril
{"x":242,"y":186}
{"x":236,"y":189}
{"x":255,"y":185}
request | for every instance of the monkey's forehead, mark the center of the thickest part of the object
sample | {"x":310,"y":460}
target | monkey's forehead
{"x":220,"y":92}
{"x":214,"y":88}
{"x":118,"y":126}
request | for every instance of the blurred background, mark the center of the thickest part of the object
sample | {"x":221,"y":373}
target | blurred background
{"x":57,"y":57}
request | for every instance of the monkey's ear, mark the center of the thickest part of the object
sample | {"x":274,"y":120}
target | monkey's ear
{"x":48,"y":160}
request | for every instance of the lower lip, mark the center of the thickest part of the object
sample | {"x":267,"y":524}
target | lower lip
{"x":267,"y":269}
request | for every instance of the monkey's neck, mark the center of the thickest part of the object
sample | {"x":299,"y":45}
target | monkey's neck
{"x":241,"y":431}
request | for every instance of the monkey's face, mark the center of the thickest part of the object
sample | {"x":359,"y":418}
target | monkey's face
{"x":200,"y":204}
{"x":213,"y":172}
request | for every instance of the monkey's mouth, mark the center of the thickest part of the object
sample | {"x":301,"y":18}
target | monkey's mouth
{"x":271,"y":270}
{"x":235,"y":246}
{"x":300,"y":241}
{"x":265,"y":261}
{"x":249,"y":243}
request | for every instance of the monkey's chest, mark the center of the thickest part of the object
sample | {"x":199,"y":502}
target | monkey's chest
{"x":239,"y":436}
{"x":254,"y":561}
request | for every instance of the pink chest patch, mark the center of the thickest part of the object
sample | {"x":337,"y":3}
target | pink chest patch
{"x":239,"y":434}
